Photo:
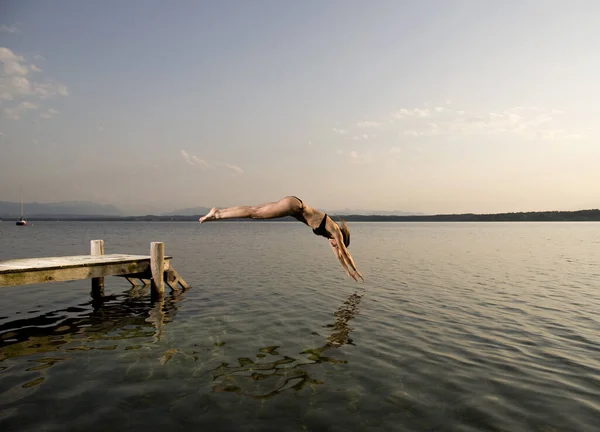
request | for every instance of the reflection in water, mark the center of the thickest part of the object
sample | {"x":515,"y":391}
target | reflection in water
{"x":102,"y":324}
{"x":267,"y":379}
{"x":84,"y":328}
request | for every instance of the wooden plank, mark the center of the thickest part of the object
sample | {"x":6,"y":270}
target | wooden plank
{"x":56,"y":273}
{"x":178,"y":278}
{"x":140,"y":276}
{"x":132,"y":281}
{"x":50,"y":263}
{"x":171,"y":279}
{"x":143,"y":277}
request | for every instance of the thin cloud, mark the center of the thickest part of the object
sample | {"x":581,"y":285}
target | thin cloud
{"x":16,"y":112}
{"x":186,"y":156}
{"x":413,"y":133}
{"x":449,"y":120}
{"x":196,"y":161}
{"x":355,"y":157}
{"x":16,"y":88}
{"x":523,"y":122}
{"x":205,"y":165}
{"x":412,"y":112}
{"x":8,"y":29}
{"x":236,"y":169}
{"x":49,"y":113}
{"x":50,"y":89}
{"x":12,"y":64}
{"x":368,"y":124}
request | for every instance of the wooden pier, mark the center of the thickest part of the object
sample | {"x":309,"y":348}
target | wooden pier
{"x":154,"y":269}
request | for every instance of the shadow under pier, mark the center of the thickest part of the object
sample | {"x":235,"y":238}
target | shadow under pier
{"x":127,"y":316}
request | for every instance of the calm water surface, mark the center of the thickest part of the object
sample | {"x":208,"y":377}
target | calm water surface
{"x":458,"y":327}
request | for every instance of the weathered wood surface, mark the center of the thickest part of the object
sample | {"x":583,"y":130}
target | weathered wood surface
{"x":97,"y":248}
{"x":157,"y":267}
{"x":54,"y":269}
{"x":172,"y":278}
{"x":48,"y":263}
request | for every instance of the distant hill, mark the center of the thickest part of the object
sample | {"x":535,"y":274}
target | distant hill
{"x":374,"y":212}
{"x":62,"y":209}
{"x":539,"y":216}
{"x":192,"y":211}
{"x":199,"y":211}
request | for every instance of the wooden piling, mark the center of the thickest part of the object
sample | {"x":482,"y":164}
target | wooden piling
{"x":97,"y":249}
{"x":157,"y":268}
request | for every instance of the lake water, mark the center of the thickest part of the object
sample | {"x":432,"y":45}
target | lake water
{"x":458,"y":327}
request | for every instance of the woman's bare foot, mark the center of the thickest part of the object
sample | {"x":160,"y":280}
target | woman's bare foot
{"x":210,"y":216}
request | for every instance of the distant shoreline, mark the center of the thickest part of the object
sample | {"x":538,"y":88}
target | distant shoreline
{"x":541,"y":216}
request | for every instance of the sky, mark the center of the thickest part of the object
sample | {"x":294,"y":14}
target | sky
{"x":423,"y":106}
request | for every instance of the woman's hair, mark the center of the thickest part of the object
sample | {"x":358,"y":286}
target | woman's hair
{"x":345,"y":232}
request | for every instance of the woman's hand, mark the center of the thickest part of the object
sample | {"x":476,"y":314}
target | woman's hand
{"x":359,"y":275}
{"x":356,"y":273}
{"x":345,"y":262}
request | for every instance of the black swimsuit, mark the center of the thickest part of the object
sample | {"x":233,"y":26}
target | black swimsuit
{"x":321,"y":230}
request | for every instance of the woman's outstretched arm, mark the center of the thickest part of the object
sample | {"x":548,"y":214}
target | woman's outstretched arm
{"x":338,"y":254}
{"x":344,"y":253}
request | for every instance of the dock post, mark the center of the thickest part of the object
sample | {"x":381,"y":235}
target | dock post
{"x":97,"y":248}
{"x":157,"y":267}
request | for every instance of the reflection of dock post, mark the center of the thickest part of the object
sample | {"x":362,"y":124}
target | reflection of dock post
{"x":157,"y":268}
{"x":97,"y":248}
{"x":156,"y":317}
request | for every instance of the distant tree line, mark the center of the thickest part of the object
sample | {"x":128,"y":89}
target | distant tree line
{"x":543,"y":216}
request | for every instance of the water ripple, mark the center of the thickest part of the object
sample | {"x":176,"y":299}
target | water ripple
{"x":459,"y":327}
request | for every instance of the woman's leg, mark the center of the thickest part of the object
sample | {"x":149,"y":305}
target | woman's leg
{"x":284,"y":207}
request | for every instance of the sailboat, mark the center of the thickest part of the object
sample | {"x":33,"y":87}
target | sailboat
{"x":21,"y":221}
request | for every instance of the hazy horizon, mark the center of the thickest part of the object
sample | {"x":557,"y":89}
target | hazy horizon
{"x":87,"y":208}
{"x":465,"y":107}
{"x":33,"y":210}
